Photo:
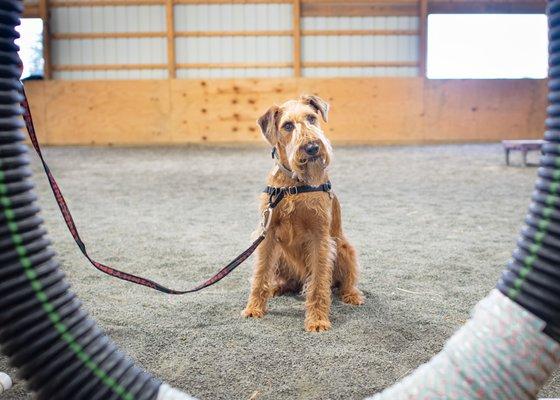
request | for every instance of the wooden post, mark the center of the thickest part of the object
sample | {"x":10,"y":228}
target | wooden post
{"x":423,"y":37}
{"x":296,"y":14}
{"x":44,"y":15}
{"x":170,"y":39}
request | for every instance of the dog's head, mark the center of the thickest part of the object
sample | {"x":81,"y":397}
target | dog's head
{"x":294,"y":130}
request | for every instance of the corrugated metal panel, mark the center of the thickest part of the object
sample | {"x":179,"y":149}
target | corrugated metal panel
{"x":360,"y":48}
{"x":109,"y":51}
{"x":233,"y":17}
{"x":108,"y":19}
{"x":233,"y":49}
{"x":237,"y":49}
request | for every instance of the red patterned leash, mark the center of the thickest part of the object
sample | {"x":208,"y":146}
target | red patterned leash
{"x":115,"y":272}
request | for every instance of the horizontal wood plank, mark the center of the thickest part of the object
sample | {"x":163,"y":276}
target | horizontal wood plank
{"x":342,"y":64}
{"x":236,"y":65}
{"x":94,"y":3}
{"x":233,"y":33}
{"x":360,"y":32}
{"x":98,"y":67}
{"x":106,"y":35}
{"x":479,"y":7}
{"x":31,"y":11}
{"x":103,"y":3}
{"x":358,"y":9}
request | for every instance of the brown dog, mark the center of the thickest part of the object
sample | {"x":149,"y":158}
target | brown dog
{"x":305,"y":248}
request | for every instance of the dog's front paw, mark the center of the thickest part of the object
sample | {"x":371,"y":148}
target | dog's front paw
{"x":319,"y":325}
{"x":354,"y":297}
{"x":253,"y":312}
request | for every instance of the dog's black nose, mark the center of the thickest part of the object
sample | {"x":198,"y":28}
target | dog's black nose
{"x":312,"y":149}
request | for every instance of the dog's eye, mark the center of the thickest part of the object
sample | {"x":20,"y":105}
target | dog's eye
{"x":288,"y":126}
{"x":311,"y":119}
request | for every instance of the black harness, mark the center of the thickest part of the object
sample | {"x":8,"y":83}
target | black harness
{"x":277,"y":193}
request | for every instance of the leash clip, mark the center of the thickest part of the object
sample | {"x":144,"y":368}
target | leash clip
{"x":266,"y":219}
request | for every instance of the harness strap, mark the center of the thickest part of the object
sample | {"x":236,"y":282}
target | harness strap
{"x":293,"y":190}
{"x":102,"y":267}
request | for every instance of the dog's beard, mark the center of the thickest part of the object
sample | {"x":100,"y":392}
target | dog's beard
{"x":310,"y":169}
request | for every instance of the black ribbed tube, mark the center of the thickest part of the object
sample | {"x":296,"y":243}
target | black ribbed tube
{"x":57,"y":348}
{"x":532,"y":277}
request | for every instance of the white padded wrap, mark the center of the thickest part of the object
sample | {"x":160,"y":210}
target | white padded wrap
{"x":500,"y":353}
{"x":166,"y":392}
{"x":5,"y":382}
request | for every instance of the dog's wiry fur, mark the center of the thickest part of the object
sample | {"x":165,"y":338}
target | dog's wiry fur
{"x":305,"y":248}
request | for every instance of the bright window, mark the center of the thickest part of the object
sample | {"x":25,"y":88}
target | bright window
{"x":487,"y":46}
{"x":31,"y":47}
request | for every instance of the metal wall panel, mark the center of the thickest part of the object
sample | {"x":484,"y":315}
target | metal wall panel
{"x":110,"y":51}
{"x":360,"y":48}
{"x":233,"y":17}
{"x":234,"y":49}
{"x":108,"y":19}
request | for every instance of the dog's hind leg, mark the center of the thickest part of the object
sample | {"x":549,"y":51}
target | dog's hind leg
{"x":267,"y":258}
{"x":346,"y":273}
{"x":346,"y":264}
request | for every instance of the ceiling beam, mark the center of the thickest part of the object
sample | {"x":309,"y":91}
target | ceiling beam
{"x":489,"y":7}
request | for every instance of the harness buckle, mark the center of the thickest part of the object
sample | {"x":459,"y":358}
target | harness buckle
{"x":292,"y":190}
{"x":266,"y":219}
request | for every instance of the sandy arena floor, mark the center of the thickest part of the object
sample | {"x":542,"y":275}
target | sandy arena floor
{"x":434,"y":227}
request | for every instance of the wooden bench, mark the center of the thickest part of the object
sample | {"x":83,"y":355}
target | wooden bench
{"x":523,"y":146}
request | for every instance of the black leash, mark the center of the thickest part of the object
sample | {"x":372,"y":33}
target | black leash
{"x":276,"y":196}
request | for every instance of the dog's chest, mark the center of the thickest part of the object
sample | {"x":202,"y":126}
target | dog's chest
{"x":300,"y":218}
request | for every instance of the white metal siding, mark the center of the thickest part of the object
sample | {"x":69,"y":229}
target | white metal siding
{"x":360,"y":48}
{"x":233,"y":17}
{"x":233,"y":49}
{"x":109,"y":19}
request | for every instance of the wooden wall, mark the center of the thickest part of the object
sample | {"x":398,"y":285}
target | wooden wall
{"x":364,"y":110}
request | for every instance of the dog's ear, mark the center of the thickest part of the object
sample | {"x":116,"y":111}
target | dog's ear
{"x":268,"y":123}
{"x":320,"y":105}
